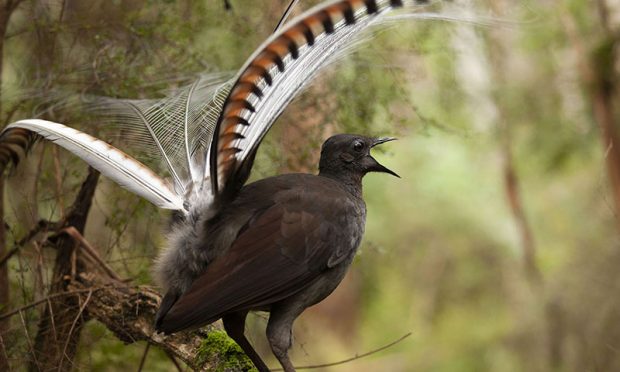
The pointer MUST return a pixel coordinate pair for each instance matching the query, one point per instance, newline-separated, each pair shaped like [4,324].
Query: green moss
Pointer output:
[218,346]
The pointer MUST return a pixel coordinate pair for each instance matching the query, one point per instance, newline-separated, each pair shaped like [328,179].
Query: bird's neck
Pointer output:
[352,182]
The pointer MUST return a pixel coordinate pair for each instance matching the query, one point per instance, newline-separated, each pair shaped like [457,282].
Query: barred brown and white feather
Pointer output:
[275,73]
[14,145]
[207,133]
[110,161]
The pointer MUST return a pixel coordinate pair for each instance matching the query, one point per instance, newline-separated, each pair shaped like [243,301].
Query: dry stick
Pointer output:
[77,317]
[92,252]
[34,355]
[49,304]
[6,356]
[515,202]
[357,356]
[74,260]
[38,272]
[52,296]
[58,177]
[34,207]
[603,115]
[8,255]
[174,361]
[146,351]
[41,225]
[288,10]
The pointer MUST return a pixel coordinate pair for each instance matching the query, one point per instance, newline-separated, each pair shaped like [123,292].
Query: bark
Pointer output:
[4,276]
[96,292]
[499,55]
[598,74]
[492,112]
[6,10]
[128,311]
[511,184]
[62,320]
[84,287]
[603,107]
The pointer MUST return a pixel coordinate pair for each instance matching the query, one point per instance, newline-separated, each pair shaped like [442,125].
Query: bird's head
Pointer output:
[350,154]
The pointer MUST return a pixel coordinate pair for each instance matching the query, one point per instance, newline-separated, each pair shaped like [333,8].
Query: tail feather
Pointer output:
[110,161]
[170,298]
[275,74]
[14,145]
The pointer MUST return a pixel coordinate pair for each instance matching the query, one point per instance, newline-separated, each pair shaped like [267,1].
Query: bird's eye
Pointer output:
[358,145]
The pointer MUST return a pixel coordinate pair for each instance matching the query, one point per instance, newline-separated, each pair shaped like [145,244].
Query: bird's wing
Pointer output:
[273,76]
[282,250]
[111,162]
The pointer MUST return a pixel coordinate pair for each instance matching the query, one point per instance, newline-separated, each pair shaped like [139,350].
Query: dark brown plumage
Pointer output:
[283,244]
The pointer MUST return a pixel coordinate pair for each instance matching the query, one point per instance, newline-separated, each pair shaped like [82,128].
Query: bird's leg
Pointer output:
[280,333]
[234,324]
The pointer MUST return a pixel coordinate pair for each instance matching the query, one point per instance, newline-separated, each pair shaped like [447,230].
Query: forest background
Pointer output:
[498,249]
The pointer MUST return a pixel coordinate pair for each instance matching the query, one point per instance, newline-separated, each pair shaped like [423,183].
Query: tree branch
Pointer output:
[63,320]
[41,226]
[356,357]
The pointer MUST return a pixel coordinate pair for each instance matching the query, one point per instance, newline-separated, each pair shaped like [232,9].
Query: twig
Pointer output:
[4,353]
[357,356]
[8,255]
[146,351]
[34,355]
[58,177]
[515,202]
[174,361]
[34,207]
[49,304]
[77,317]
[42,225]
[10,6]
[287,12]
[52,296]
[92,252]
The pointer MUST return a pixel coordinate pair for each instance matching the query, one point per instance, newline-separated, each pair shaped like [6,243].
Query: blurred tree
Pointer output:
[498,122]
[7,8]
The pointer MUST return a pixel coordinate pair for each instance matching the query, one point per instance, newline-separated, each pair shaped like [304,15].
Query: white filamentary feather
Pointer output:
[179,130]
[183,130]
[175,130]
[111,162]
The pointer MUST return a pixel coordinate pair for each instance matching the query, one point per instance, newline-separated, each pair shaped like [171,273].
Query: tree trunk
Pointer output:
[6,10]
[62,320]
[603,92]
[598,70]
[4,276]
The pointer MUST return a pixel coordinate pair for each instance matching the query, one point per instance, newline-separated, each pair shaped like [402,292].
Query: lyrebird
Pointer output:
[280,244]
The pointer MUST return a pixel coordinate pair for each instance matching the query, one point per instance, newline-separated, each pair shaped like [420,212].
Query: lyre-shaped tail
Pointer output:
[207,134]
[273,76]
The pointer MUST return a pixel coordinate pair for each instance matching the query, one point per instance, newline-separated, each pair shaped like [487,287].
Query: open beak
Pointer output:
[378,141]
[374,165]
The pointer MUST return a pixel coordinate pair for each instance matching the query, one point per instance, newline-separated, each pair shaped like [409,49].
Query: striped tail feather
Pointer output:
[274,74]
[14,145]
[16,139]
